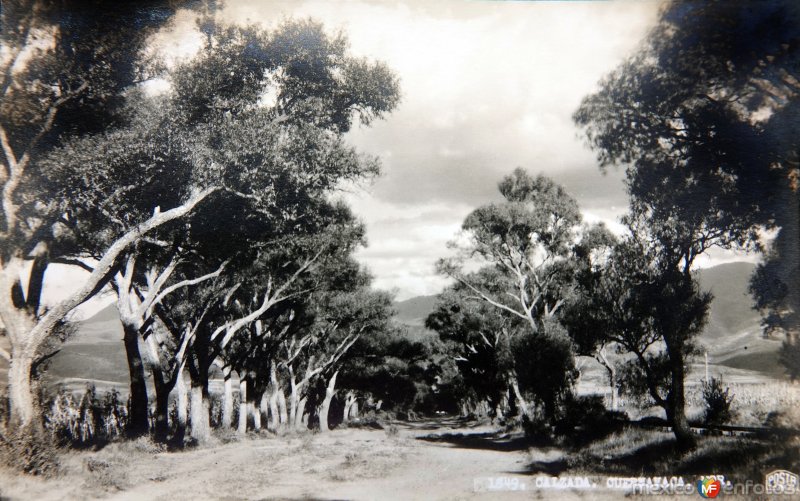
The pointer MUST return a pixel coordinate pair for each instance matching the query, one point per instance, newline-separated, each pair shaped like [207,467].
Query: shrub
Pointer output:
[586,418]
[537,430]
[85,420]
[717,402]
[32,453]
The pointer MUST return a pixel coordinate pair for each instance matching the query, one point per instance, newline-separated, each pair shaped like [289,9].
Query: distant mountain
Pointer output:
[414,311]
[732,307]
[95,351]
[732,336]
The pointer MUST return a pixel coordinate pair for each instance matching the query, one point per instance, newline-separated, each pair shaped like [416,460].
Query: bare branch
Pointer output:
[183,283]
[490,300]
[231,328]
[42,329]
[73,262]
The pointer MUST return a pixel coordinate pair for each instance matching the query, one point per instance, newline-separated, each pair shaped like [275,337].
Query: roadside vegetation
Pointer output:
[214,213]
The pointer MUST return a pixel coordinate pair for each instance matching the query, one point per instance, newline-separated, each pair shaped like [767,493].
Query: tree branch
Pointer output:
[490,300]
[72,262]
[183,283]
[42,329]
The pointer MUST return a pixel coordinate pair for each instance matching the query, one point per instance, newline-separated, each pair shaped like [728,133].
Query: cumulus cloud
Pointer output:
[486,87]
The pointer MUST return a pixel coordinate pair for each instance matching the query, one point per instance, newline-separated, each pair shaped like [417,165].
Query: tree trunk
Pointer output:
[326,403]
[676,400]
[162,411]
[292,403]
[183,404]
[272,391]
[612,376]
[350,399]
[18,323]
[227,400]
[201,425]
[677,412]
[255,410]
[274,418]
[242,428]
[22,399]
[298,416]
[522,405]
[283,412]
[138,423]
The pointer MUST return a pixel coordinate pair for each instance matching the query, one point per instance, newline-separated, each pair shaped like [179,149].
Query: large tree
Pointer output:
[526,245]
[63,71]
[704,115]
[212,136]
[650,313]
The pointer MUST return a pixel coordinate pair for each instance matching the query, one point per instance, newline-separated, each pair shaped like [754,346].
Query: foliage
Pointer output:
[545,367]
[702,114]
[526,241]
[479,340]
[585,419]
[718,399]
[506,315]
[389,367]
[87,420]
[34,454]
[789,357]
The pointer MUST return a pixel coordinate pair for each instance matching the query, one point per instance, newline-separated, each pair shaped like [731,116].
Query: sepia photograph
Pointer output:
[399,249]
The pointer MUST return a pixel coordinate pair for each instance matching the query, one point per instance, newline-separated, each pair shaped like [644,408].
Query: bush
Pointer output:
[85,420]
[537,430]
[31,453]
[717,402]
[586,418]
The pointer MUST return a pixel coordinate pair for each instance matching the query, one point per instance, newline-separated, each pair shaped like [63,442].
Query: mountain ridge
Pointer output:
[732,336]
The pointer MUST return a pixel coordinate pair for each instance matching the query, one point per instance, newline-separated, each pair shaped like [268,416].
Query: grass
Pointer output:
[647,452]
[767,404]
[638,452]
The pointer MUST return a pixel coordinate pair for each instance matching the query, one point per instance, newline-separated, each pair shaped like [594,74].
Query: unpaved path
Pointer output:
[361,464]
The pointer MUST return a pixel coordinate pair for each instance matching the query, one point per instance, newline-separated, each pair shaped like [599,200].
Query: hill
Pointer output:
[95,352]
[414,311]
[732,307]
[732,336]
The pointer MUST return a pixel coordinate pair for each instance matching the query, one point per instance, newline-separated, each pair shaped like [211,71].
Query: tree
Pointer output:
[484,339]
[649,311]
[348,316]
[527,238]
[703,114]
[586,311]
[527,242]
[211,137]
[63,77]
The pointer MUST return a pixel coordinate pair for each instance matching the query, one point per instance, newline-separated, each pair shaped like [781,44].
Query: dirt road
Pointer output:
[427,460]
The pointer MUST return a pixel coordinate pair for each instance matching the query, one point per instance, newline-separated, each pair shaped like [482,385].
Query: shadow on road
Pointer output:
[492,441]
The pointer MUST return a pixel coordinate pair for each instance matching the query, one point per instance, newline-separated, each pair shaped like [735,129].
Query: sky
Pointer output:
[487,86]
